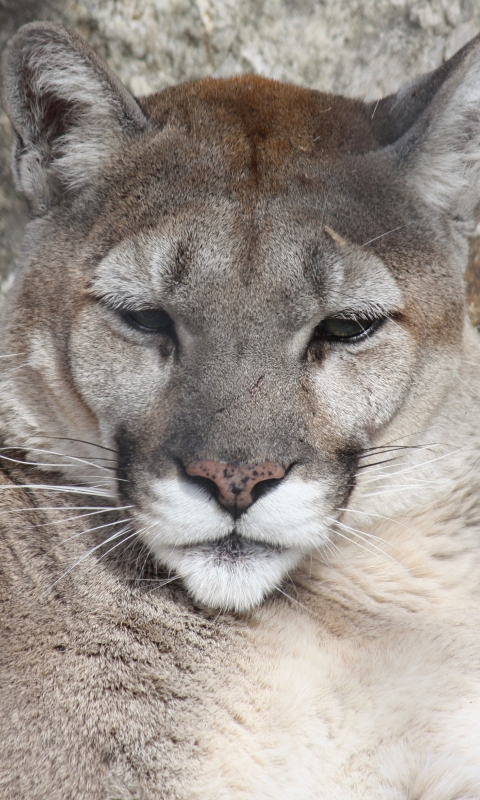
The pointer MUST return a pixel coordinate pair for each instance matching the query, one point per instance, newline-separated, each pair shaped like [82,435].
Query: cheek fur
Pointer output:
[117,380]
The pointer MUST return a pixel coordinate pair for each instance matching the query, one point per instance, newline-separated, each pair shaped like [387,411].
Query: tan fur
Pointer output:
[322,644]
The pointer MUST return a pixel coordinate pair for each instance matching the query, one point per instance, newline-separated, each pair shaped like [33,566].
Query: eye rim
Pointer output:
[165,327]
[371,326]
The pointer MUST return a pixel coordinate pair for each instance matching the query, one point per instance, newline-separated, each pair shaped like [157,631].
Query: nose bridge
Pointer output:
[231,375]
[236,410]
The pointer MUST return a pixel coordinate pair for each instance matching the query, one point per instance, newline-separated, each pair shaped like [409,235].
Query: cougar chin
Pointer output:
[231,574]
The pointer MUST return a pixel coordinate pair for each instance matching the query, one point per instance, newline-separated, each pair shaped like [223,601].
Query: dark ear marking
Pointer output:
[68,111]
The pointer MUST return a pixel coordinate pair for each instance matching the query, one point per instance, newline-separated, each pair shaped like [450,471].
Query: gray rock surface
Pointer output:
[364,48]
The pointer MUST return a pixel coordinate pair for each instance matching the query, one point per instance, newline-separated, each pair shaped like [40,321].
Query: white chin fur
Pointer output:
[237,584]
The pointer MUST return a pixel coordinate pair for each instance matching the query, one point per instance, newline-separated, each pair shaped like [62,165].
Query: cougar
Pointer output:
[240,438]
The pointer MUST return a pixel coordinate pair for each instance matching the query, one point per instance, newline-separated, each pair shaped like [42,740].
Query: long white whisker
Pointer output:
[90,552]
[403,471]
[393,230]
[101,509]
[161,583]
[292,599]
[70,519]
[138,532]
[408,487]
[468,387]
[91,490]
[378,516]
[49,464]
[362,546]
[87,554]
[365,537]
[90,530]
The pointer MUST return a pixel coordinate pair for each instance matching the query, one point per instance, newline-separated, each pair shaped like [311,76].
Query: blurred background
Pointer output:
[362,48]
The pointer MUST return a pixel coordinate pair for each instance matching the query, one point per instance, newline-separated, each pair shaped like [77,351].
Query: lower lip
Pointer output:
[235,547]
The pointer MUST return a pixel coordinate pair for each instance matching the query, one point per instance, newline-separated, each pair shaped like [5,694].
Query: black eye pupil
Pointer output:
[154,319]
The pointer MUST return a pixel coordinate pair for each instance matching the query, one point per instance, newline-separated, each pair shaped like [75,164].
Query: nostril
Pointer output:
[236,486]
[262,488]
[205,483]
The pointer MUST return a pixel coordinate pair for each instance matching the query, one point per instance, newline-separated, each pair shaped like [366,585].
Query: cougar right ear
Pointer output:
[430,130]
[68,110]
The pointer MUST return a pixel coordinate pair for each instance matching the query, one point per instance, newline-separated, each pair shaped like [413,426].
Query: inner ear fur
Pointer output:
[431,129]
[68,110]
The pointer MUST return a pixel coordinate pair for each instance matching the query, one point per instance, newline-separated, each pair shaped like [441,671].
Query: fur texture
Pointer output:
[239,272]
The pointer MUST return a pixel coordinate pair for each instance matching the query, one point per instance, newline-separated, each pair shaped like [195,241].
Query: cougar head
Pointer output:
[237,285]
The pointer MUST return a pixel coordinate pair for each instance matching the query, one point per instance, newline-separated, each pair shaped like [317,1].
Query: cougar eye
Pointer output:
[346,329]
[152,319]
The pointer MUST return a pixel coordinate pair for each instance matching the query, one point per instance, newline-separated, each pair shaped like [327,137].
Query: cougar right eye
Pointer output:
[344,329]
[150,319]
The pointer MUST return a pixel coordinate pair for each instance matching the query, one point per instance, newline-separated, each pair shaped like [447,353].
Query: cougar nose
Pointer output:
[235,481]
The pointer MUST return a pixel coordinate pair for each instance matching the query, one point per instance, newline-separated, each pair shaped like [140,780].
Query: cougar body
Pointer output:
[240,439]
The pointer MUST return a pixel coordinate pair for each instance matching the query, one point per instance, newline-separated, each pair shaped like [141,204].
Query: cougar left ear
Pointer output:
[431,129]
[68,110]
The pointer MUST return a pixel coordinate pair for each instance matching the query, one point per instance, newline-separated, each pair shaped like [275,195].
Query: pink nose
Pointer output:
[235,481]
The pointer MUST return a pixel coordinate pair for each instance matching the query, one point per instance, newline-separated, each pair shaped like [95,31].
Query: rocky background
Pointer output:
[364,48]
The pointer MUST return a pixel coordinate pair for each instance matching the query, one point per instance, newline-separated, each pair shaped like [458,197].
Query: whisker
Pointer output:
[77,534]
[417,466]
[384,449]
[162,582]
[387,233]
[470,389]
[52,453]
[86,555]
[378,463]
[409,487]
[363,546]
[406,436]
[328,549]
[73,518]
[9,369]
[132,536]
[91,490]
[379,516]
[91,551]
[292,599]
[83,441]
[365,537]
[101,509]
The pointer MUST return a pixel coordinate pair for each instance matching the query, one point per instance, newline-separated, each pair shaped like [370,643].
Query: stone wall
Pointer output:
[364,48]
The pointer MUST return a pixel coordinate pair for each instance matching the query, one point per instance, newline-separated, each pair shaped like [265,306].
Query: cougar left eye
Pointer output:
[152,319]
[346,329]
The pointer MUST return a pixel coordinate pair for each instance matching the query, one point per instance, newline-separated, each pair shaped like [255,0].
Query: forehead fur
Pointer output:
[261,123]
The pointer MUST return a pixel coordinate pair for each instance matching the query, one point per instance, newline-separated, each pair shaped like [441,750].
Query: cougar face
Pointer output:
[238,286]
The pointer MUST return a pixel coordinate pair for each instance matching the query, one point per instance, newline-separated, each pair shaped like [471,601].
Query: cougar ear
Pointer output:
[432,130]
[68,110]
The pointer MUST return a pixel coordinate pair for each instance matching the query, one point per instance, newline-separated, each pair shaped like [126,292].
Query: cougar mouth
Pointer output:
[234,547]
[226,563]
